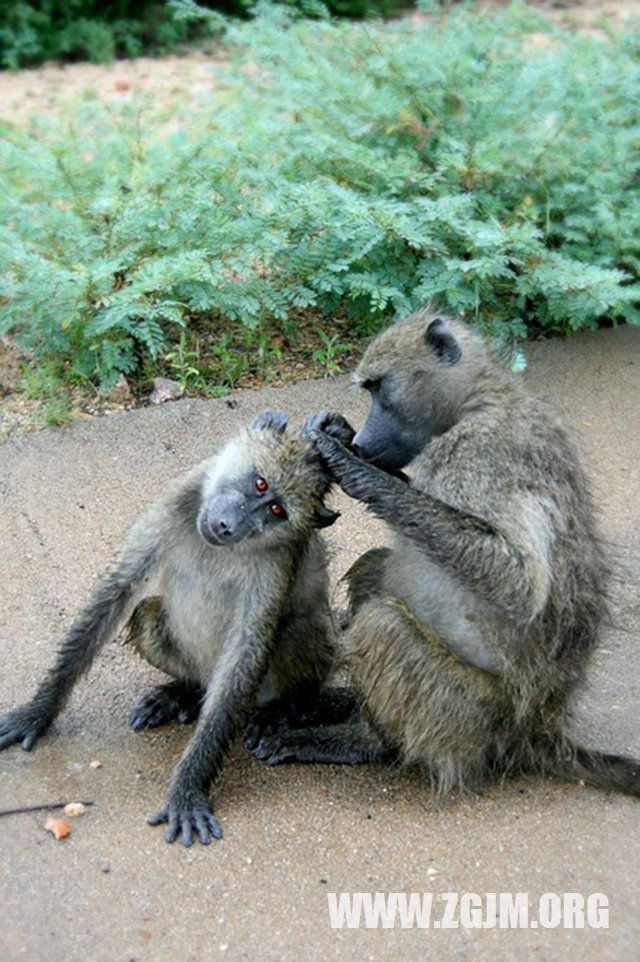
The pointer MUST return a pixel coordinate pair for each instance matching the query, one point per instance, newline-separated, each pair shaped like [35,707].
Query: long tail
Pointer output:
[618,773]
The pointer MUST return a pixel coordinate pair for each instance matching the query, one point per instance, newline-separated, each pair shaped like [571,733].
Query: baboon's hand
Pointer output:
[186,812]
[335,425]
[24,724]
[356,477]
[332,435]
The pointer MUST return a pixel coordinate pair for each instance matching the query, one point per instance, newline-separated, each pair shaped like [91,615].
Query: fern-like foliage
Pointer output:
[488,162]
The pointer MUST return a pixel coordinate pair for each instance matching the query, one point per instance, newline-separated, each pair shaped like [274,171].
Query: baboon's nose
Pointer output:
[221,528]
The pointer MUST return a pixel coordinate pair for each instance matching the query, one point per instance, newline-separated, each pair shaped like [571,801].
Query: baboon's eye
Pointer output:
[261,484]
[277,509]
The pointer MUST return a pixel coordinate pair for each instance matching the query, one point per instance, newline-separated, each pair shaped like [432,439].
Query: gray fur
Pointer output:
[221,594]
[469,636]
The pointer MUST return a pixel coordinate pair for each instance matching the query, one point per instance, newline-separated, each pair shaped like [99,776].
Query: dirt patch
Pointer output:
[312,348]
[54,86]
[590,13]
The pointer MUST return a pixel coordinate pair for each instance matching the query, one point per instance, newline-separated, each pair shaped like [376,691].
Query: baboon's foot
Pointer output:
[175,701]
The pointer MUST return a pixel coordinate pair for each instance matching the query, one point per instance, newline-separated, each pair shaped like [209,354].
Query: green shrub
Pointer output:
[306,8]
[35,30]
[489,163]
[31,32]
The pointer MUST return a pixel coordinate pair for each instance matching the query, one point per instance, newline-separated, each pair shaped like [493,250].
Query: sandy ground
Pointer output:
[52,86]
[114,890]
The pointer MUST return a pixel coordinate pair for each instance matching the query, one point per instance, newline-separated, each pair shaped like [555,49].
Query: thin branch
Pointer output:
[37,808]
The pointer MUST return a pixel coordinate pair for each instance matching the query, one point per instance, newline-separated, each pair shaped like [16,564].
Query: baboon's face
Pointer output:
[407,372]
[241,509]
[387,439]
[263,484]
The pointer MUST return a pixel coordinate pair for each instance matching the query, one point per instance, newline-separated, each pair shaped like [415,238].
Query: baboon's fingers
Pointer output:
[186,817]
[254,732]
[171,832]
[202,829]
[9,739]
[158,817]
[187,715]
[185,833]
[9,733]
[333,452]
[152,710]
[206,825]
[335,425]
[275,421]
[351,472]
[21,726]
[272,747]
[328,422]
[214,826]
[29,741]
[314,423]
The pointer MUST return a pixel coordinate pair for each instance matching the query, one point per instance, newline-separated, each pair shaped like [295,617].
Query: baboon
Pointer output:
[225,581]
[469,635]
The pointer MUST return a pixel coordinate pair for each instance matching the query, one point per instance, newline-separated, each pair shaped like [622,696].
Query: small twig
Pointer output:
[36,808]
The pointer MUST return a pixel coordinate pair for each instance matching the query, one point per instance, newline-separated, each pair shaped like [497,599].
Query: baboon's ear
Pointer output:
[325,517]
[442,341]
[275,421]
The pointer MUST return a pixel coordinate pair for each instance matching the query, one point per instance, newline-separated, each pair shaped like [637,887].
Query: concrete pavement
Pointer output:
[114,890]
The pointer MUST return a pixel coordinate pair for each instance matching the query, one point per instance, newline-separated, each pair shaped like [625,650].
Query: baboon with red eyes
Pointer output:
[224,581]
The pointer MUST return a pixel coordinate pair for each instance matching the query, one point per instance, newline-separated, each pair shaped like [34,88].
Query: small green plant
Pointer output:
[56,412]
[262,351]
[181,362]
[45,383]
[230,364]
[328,353]
[42,381]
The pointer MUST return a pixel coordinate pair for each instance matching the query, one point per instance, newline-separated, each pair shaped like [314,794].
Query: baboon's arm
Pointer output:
[513,578]
[93,626]
[230,699]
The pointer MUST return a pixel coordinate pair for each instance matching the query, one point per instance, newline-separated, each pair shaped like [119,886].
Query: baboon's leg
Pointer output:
[149,634]
[424,705]
[442,712]
[329,706]
[301,710]
[364,577]
[348,743]
[303,658]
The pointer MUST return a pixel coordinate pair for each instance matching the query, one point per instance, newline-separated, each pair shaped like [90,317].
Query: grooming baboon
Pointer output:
[226,579]
[469,635]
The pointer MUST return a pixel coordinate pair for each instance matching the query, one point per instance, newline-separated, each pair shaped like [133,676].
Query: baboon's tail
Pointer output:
[617,773]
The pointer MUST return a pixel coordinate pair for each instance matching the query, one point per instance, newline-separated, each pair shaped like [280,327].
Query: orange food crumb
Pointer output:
[58,827]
